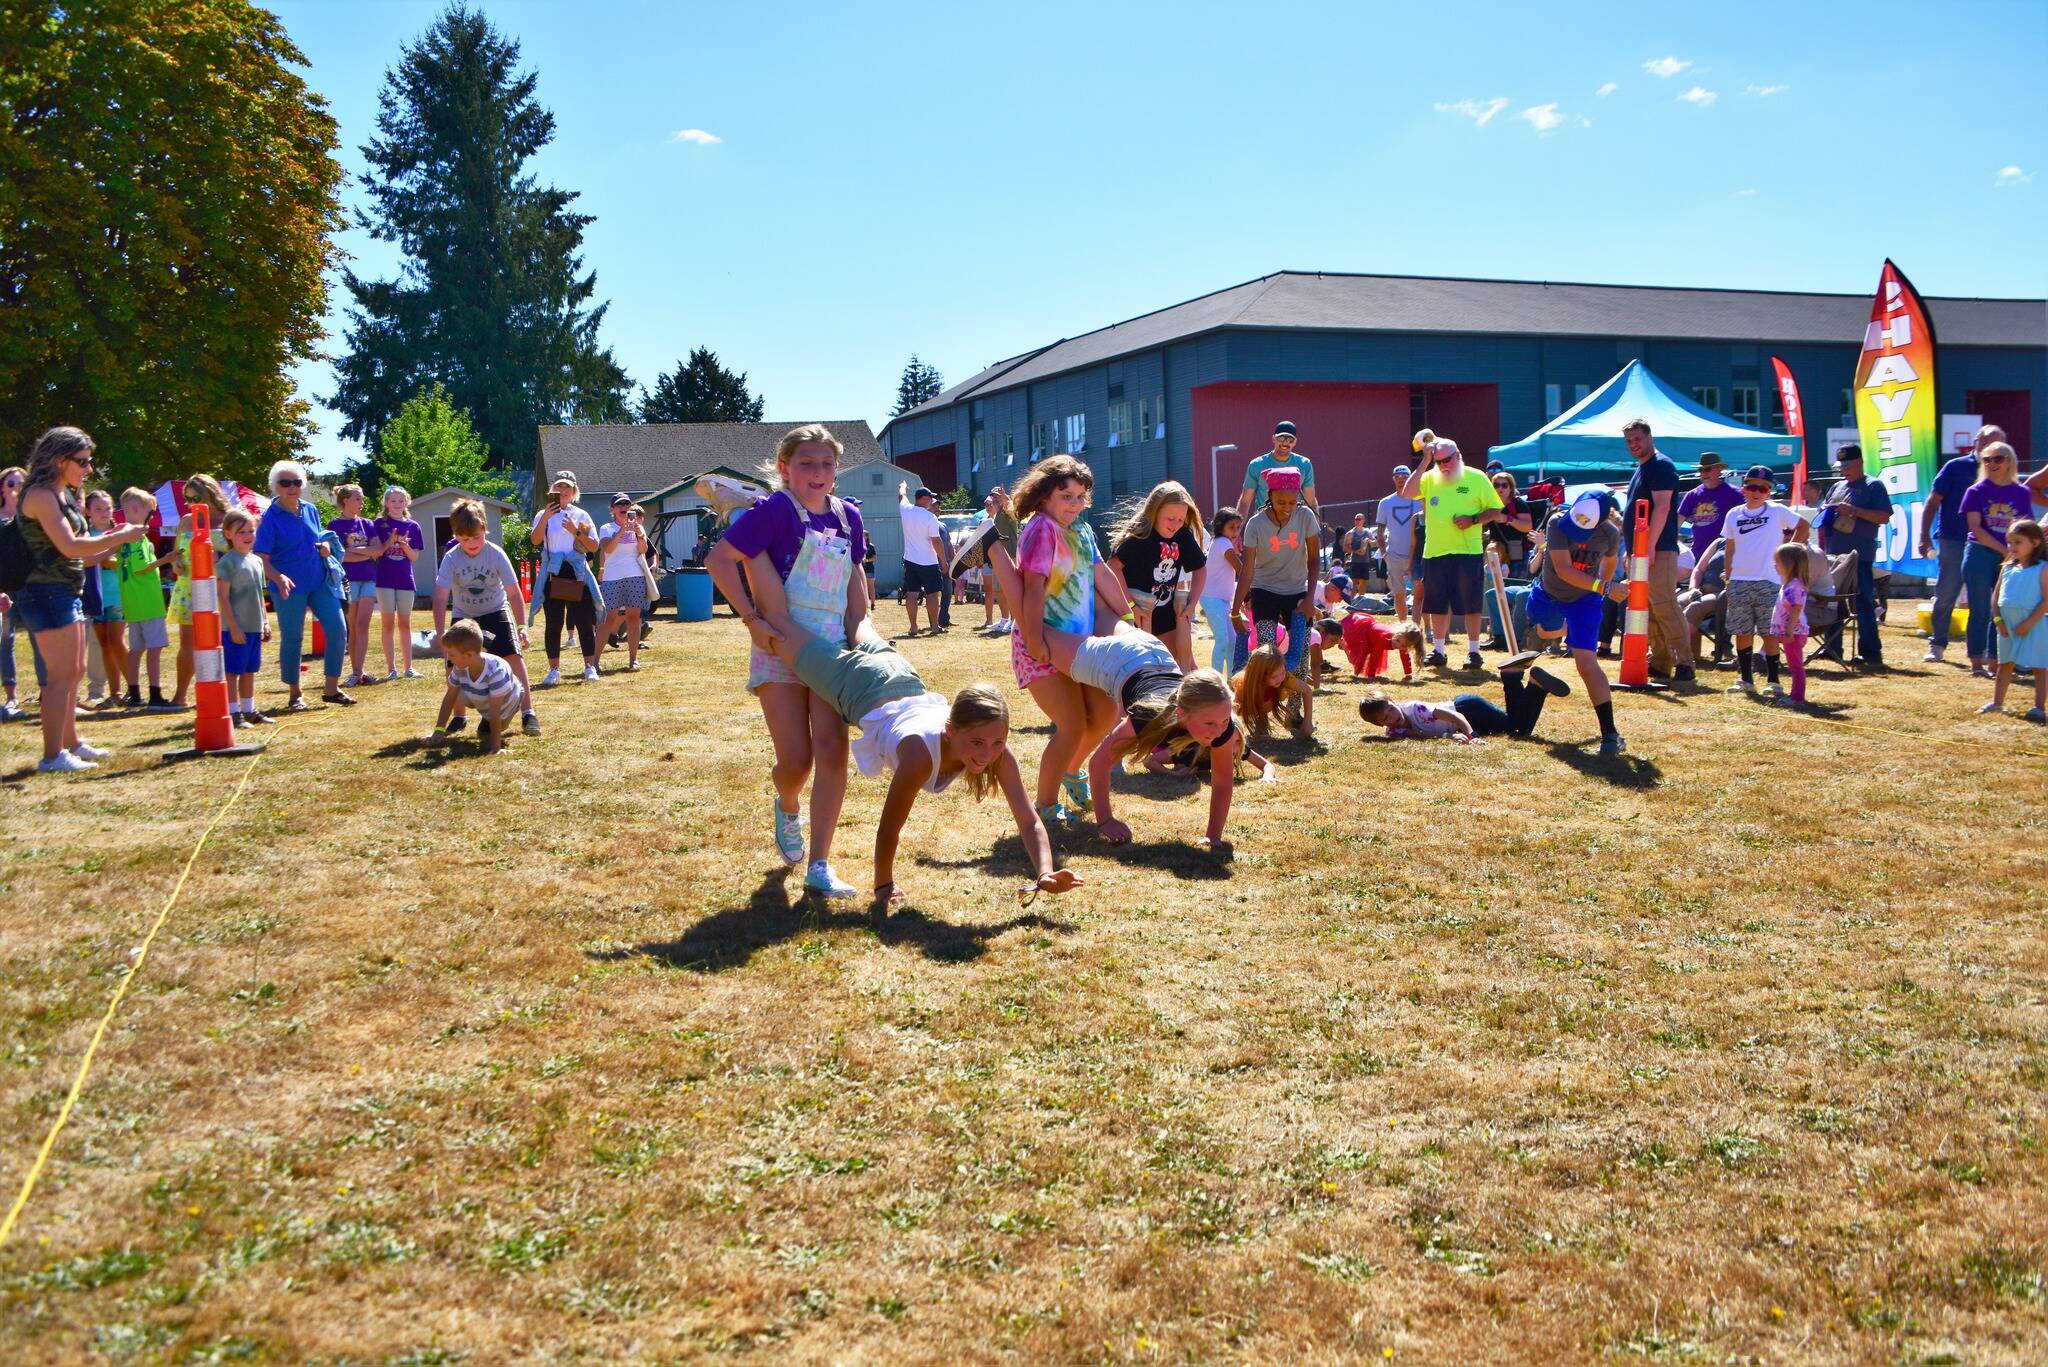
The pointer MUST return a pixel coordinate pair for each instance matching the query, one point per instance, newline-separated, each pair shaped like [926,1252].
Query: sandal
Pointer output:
[338,698]
[298,704]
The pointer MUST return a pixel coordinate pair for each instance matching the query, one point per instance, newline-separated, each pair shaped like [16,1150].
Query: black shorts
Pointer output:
[1268,606]
[1453,584]
[1159,619]
[922,578]
[501,637]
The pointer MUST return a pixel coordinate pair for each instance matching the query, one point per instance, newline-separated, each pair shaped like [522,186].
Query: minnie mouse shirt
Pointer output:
[1153,565]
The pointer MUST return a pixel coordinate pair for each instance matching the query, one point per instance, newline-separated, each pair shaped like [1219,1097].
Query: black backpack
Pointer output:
[16,557]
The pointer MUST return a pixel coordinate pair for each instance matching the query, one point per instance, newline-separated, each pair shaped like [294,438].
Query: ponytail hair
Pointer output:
[1156,719]
[978,704]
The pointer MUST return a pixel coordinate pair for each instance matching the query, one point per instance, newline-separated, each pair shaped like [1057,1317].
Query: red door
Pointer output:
[2012,409]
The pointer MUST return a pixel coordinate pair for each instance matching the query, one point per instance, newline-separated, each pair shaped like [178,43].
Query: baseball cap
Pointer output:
[621,497]
[1340,579]
[1494,467]
[1584,514]
[1848,453]
[922,492]
[1283,429]
[1760,474]
[1402,471]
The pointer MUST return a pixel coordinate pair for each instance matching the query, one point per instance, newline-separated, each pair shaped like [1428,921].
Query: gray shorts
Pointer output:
[148,635]
[396,600]
[1399,571]
[1749,606]
[856,681]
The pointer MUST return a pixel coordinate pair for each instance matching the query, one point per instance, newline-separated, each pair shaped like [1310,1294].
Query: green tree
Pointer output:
[431,445]
[167,191]
[920,382]
[492,299]
[700,390]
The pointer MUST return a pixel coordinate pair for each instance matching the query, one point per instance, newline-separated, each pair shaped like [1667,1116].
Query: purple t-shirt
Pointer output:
[394,571]
[772,526]
[1999,505]
[354,531]
[1704,510]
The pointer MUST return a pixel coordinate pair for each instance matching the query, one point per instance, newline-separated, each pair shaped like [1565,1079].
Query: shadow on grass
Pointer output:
[427,757]
[1623,771]
[729,939]
[1007,855]
[1285,751]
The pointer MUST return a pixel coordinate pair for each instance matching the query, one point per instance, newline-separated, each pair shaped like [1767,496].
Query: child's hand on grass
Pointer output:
[1113,832]
[1058,881]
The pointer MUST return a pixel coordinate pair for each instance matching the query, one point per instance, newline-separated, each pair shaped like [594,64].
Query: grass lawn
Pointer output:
[1734,1051]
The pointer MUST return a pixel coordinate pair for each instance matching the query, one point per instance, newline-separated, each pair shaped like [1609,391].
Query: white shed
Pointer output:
[431,512]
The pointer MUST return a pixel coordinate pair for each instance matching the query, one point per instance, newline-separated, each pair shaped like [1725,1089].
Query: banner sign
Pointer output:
[1795,425]
[1897,416]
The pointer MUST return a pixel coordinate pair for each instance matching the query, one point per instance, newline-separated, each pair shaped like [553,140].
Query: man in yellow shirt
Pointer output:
[1457,503]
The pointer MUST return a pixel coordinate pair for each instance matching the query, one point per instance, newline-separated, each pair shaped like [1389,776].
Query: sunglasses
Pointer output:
[290,483]
[1756,488]
[1996,460]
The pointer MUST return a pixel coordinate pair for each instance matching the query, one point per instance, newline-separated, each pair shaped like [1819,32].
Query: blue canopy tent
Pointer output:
[1585,443]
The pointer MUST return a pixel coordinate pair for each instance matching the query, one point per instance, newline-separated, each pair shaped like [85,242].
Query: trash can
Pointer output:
[693,594]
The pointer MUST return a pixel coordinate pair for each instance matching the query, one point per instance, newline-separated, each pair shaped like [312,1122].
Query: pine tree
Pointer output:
[701,390]
[492,299]
[920,382]
[168,188]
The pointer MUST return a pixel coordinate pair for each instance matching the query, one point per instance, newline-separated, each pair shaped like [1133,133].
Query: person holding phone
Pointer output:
[622,543]
[569,592]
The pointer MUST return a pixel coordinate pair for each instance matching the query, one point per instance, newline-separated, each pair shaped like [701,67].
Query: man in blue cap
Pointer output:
[1581,544]
[1398,523]
[1281,457]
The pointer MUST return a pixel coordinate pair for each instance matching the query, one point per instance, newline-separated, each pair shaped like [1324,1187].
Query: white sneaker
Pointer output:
[86,750]
[590,673]
[65,763]
[554,676]
[819,878]
[10,710]
[1934,654]
[1777,690]
[726,495]
[391,676]
[412,674]
[1742,686]
[632,666]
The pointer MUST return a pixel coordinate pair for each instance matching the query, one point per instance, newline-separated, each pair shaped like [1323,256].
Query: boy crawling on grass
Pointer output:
[482,681]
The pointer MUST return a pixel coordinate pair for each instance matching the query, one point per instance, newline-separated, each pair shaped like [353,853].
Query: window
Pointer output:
[1418,407]
[1152,418]
[1848,409]
[1707,396]
[875,480]
[1045,439]
[978,447]
[1580,391]
[1008,447]
[1748,404]
[1553,400]
[1121,430]
[1075,428]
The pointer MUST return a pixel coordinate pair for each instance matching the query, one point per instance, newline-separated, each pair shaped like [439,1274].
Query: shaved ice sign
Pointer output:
[1897,417]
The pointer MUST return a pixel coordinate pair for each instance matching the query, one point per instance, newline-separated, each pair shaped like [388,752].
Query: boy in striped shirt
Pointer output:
[479,680]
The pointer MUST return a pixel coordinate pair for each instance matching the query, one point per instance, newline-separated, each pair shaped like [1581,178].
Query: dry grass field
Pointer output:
[1736,1051]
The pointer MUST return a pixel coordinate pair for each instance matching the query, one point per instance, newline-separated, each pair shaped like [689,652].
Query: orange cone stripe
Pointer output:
[212,729]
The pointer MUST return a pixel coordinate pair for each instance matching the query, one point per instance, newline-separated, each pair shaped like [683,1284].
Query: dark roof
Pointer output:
[642,457]
[1314,301]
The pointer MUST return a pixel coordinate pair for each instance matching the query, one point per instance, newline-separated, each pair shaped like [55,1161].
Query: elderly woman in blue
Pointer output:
[295,549]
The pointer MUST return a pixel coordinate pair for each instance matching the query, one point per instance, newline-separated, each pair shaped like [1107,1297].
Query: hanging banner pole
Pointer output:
[1795,425]
[1897,418]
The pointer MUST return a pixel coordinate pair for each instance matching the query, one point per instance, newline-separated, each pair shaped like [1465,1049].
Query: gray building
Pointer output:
[1359,362]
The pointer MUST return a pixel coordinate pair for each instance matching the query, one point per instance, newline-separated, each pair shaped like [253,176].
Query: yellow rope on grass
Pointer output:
[35,1171]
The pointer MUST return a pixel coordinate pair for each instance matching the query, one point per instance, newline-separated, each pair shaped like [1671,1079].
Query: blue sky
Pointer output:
[967,181]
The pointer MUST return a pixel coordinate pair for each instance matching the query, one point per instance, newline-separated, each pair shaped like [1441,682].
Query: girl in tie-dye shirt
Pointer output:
[1061,569]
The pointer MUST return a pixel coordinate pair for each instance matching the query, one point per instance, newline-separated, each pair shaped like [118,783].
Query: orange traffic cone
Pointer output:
[213,730]
[1635,622]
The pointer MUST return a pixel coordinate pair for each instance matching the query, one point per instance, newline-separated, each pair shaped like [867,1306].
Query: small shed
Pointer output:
[682,518]
[431,512]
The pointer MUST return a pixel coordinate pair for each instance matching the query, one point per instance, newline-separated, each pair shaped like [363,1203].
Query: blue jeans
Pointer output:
[1946,587]
[291,625]
[7,667]
[1518,608]
[555,560]
[1868,647]
[1227,655]
[1980,581]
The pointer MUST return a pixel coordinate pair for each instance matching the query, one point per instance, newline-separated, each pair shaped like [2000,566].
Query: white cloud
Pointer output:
[1604,91]
[1754,89]
[2012,175]
[1699,95]
[1665,67]
[1479,111]
[696,135]
[1745,194]
[1542,117]
[1585,122]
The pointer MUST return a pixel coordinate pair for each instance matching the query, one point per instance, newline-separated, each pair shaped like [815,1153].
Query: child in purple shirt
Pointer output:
[400,541]
[1788,615]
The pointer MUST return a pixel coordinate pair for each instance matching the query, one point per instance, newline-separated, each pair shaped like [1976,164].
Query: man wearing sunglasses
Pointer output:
[1457,504]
